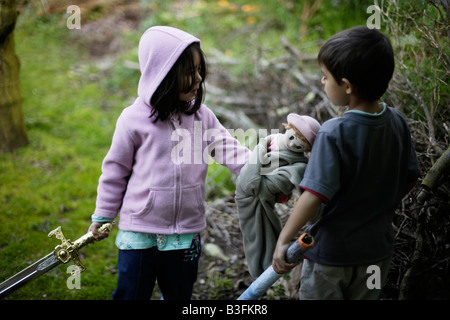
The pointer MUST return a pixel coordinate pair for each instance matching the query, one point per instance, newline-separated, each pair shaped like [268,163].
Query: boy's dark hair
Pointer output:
[165,101]
[363,56]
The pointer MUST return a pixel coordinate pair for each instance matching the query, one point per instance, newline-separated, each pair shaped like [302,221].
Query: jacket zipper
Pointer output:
[176,205]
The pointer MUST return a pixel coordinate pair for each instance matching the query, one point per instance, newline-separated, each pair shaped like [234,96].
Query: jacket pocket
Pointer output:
[192,207]
[158,210]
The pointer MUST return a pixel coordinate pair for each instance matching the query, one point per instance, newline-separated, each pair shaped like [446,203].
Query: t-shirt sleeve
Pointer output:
[322,175]
[413,164]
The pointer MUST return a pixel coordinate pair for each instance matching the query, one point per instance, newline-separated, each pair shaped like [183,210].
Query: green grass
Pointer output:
[70,113]
[53,180]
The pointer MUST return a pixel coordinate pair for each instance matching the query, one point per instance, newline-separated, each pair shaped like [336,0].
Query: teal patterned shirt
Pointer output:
[129,240]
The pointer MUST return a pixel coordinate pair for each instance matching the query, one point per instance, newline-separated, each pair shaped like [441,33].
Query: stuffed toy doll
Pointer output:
[299,136]
[275,167]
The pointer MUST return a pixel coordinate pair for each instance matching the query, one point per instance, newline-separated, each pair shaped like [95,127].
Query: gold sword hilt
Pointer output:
[67,250]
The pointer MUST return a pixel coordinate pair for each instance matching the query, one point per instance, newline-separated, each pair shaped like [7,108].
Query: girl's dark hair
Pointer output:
[180,79]
[363,56]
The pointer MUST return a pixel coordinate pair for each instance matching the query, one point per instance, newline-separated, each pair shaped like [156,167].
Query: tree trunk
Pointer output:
[12,126]
[438,172]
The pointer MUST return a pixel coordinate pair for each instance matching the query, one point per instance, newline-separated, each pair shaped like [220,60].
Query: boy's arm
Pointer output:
[306,206]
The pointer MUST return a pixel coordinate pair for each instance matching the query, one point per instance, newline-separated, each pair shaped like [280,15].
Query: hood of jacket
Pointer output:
[159,49]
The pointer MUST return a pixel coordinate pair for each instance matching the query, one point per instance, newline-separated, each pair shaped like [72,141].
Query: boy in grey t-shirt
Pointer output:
[361,166]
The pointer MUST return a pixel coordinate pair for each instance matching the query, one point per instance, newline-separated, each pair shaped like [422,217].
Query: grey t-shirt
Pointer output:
[360,166]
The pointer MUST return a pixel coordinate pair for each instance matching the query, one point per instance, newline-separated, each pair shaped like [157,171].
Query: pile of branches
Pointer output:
[421,261]
[270,91]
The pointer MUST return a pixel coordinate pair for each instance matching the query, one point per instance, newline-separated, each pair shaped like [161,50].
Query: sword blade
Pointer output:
[28,274]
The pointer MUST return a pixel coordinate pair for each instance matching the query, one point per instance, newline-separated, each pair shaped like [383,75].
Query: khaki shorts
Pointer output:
[323,282]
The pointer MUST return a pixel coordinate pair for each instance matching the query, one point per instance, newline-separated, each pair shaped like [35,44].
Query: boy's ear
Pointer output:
[349,87]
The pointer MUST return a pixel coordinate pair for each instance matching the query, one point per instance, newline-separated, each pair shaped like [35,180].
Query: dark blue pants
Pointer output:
[175,271]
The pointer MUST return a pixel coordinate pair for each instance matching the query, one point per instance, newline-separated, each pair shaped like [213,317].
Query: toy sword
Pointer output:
[293,254]
[63,253]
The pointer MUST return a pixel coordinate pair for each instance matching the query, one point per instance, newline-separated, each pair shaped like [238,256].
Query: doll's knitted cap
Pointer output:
[307,125]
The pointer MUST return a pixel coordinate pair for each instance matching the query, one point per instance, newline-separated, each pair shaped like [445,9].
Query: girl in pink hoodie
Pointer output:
[154,173]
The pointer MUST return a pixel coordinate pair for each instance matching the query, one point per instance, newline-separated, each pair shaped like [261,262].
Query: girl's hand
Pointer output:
[94,227]
[282,198]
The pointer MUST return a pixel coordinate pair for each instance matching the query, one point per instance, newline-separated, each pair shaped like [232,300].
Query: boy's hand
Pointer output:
[94,227]
[279,263]
[306,206]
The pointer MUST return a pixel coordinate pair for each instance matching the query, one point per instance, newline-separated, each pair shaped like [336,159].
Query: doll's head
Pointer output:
[300,133]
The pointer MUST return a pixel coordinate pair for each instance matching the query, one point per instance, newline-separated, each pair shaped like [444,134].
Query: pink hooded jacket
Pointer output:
[154,172]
